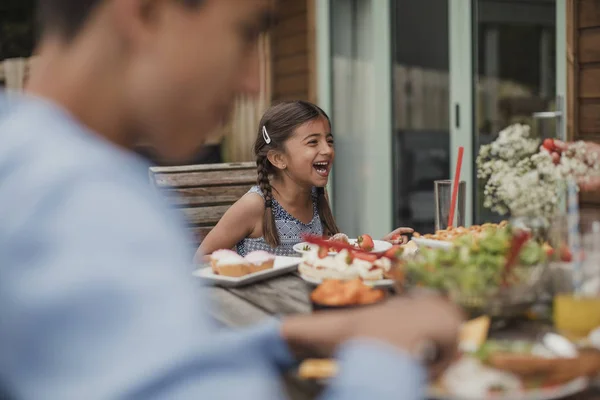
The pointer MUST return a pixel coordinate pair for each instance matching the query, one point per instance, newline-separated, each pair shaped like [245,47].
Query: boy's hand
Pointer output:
[399,236]
[590,184]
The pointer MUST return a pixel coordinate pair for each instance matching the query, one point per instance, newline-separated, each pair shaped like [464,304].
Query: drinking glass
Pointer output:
[443,198]
[576,277]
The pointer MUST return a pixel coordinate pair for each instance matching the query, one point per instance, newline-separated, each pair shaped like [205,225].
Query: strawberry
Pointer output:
[548,249]
[365,242]
[397,237]
[548,144]
[565,254]
[323,252]
[394,252]
[365,256]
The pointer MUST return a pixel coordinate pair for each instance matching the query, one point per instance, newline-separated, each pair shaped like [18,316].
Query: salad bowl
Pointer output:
[473,273]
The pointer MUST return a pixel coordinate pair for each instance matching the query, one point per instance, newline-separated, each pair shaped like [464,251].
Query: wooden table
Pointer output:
[288,294]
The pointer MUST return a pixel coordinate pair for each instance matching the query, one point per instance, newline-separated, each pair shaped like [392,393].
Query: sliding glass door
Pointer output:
[507,66]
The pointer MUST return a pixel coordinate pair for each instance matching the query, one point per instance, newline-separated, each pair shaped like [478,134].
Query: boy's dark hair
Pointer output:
[67,17]
[280,121]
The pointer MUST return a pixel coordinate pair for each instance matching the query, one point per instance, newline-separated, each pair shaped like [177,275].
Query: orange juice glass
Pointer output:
[576,316]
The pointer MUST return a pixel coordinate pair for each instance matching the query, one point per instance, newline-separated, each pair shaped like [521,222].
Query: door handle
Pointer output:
[558,115]
[547,114]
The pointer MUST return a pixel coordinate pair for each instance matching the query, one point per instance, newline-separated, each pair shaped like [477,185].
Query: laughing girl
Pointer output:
[294,155]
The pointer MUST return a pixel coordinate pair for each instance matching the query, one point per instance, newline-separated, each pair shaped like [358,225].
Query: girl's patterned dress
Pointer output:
[289,228]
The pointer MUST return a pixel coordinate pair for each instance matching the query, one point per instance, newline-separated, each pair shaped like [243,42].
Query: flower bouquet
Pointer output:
[523,179]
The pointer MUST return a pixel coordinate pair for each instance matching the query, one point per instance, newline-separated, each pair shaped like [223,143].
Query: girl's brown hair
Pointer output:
[280,122]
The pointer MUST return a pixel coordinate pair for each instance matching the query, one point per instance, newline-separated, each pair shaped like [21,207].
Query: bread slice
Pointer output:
[260,261]
[229,263]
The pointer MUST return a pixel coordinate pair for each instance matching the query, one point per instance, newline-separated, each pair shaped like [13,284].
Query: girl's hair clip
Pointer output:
[266,135]
[268,203]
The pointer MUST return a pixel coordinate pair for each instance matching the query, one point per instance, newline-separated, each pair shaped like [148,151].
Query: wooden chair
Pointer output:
[204,192]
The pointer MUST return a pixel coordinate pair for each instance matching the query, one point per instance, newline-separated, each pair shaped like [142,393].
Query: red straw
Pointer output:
[455,185]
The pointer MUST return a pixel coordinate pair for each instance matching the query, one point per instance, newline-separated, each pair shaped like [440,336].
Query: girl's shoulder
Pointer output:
[256,190]
[251,204]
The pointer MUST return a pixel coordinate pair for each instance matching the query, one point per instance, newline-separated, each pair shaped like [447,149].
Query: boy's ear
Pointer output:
[277,159]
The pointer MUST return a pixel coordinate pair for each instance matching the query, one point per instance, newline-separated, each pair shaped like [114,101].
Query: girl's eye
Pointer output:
[313,142]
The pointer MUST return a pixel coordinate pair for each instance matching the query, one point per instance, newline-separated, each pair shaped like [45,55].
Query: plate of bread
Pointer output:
[229,269]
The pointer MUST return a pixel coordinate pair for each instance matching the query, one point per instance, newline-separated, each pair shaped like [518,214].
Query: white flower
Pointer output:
[524,181]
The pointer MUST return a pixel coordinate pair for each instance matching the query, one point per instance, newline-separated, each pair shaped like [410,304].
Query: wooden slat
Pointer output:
[589,207]
[205,215]
[201,196]
[293,25]
[203,193]
[290,45]
[590,198]
[285,295]
[589,118]
[296,63]
[589,83]
[572,102]
[232,311]
[197,179]
[287,8]
[290,96]
[590,137]
[589,13]
[202,167]
[312,50]
[292,84]
[589,45]
[198,233]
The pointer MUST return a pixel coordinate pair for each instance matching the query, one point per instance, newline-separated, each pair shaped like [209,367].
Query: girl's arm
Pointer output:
[243,219]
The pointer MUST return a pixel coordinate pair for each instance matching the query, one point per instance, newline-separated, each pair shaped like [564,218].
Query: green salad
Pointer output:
[474,264]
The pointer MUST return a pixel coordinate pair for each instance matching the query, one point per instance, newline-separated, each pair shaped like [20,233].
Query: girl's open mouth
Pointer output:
[322,168]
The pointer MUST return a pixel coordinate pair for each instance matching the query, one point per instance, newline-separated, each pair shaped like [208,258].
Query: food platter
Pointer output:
[380,246]
[282,265]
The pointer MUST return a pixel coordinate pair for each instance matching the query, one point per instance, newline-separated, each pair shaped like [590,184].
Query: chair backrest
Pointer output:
[204,192]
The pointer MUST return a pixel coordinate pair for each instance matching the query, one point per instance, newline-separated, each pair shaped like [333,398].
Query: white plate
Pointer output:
[381,283]
[300,248]
[380,246]
[557,392]
[282,265]
[431,243]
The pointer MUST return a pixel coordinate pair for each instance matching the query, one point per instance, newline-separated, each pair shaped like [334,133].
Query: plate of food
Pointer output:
[229,269]
[335,294]
[444,238]
[363,242]
[374,270]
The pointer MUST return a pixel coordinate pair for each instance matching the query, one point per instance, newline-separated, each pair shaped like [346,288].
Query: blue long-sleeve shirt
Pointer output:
[97,300]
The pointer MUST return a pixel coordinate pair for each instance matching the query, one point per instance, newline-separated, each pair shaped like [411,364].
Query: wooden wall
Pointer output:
[293,41]
[583,37]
